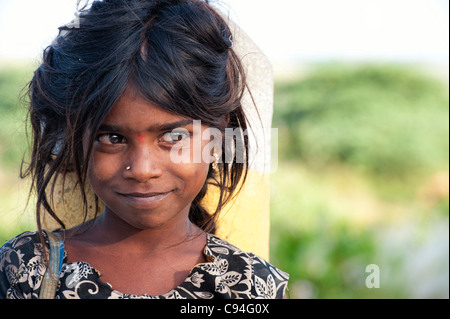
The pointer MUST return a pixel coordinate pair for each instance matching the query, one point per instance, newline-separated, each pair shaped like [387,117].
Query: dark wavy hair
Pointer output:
[177,53]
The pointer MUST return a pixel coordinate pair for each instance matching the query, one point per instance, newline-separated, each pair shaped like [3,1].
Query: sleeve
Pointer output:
[269,282]
[21,267]
[4,281]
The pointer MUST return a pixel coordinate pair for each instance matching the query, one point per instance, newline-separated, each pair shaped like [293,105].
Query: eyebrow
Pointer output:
[164,127]
[174,125]
[109,128]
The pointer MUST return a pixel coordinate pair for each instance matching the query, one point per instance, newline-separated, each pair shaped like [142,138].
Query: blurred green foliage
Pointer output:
[387,120]
[14,217]
[357,146]
[13,144]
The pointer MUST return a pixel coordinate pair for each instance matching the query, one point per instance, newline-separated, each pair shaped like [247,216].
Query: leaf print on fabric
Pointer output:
[221,287]
[20,241]
[220,250]
[257,261]
[204,294]
[231,278]
[219,241]
[74,294]
[80,271]
[38,250]
[36,266]
[12,273]
[217,268]
[4,257]
[279,274]
[222,266]
[210,269]
[247,280]
[35,271]
[223,283]
[196,279]
[70,294]
[175,295]
[265,290]
[14,294]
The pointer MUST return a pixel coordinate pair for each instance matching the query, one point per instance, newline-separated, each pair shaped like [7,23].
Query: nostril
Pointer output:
[142,171]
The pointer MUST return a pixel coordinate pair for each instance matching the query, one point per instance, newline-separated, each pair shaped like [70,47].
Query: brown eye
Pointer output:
[111,139]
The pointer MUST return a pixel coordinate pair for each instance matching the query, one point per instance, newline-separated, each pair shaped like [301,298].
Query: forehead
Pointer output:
[134,112]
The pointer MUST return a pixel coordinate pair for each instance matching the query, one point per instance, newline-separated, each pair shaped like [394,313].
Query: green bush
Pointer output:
[331,260]
[351,139]
[387,120]
[13,145]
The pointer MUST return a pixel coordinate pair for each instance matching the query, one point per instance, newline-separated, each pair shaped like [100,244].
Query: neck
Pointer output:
[110,230]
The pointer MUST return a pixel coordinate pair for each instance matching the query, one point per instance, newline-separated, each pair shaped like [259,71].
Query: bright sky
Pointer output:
[304,30]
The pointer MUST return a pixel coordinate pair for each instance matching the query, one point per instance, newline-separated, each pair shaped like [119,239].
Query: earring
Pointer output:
[128,168]
[216,161]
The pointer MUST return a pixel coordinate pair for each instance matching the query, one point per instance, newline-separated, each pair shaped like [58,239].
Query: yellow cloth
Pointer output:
[245,221]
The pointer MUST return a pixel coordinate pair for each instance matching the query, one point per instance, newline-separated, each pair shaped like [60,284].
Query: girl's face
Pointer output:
[131,168]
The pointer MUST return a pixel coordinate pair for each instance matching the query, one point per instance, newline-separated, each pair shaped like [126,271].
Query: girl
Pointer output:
[120,94]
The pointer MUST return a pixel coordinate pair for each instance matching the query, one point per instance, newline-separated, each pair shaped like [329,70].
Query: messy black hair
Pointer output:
[176,53]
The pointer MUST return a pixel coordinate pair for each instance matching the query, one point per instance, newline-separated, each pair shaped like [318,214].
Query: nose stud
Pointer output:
[128,168]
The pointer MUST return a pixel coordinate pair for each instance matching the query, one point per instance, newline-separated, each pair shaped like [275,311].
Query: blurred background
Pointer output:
[362,108]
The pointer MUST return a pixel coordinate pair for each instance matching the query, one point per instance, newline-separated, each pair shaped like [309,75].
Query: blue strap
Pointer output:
[61,254]
[51,278]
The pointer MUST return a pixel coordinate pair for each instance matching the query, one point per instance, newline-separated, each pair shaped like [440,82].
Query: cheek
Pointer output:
[194,177]
[101,170]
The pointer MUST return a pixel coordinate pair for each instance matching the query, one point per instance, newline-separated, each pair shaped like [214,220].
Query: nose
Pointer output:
[143,165]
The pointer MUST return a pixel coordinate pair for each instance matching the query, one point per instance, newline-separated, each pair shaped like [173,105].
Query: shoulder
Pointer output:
[21,266]
[263,279]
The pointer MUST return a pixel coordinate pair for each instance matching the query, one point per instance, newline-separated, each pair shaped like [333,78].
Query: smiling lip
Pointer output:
[145,200]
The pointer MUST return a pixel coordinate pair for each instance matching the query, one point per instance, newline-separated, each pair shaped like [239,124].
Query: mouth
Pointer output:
[145,200]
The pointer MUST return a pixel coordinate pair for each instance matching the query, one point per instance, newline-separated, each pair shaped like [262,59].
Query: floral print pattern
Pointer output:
[229,273]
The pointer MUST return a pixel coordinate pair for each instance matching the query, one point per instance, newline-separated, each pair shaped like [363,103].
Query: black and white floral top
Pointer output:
[229,273]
